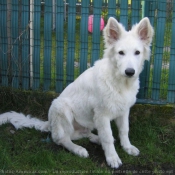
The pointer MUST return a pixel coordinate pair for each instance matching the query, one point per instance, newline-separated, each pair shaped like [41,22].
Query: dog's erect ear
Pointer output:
[145,30]
[112,31]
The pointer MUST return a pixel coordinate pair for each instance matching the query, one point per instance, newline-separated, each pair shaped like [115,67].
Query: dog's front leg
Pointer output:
[107,141]
[123,127]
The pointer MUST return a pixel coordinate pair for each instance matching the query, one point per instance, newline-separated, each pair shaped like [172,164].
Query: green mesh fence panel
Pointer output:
[45,45]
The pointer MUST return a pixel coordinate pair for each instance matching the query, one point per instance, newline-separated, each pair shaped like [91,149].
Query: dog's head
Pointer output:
[127,51]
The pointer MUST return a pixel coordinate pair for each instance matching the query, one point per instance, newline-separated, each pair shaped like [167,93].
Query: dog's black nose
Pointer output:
[129,72]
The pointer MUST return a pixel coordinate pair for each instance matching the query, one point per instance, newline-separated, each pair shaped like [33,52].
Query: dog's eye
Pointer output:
[121,52]
[137,52]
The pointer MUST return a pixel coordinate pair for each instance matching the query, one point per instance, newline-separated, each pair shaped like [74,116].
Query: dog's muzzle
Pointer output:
[129,72]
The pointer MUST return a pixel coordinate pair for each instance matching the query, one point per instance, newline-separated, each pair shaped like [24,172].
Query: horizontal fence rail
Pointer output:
[45,45]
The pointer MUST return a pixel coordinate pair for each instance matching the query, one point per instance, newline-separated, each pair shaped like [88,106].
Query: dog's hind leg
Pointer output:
[61,127]
[62,136]
[76,149]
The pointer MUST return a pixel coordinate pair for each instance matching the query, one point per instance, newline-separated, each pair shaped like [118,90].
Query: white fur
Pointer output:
[19,121]
[101,94]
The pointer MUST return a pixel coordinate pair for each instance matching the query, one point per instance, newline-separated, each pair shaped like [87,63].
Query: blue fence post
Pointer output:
[135,14]
[143,76]
[36,49]
[160,31]
[15,43]
[84,35]
[124,13]
[59,45]
[96,31]
[171,80]
[151,12]
[111,8]
[151,15]
[47,43]
[71,41]
[4,43]
[25,44]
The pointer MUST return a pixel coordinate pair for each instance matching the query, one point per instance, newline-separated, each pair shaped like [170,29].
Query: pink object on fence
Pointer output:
[90,23]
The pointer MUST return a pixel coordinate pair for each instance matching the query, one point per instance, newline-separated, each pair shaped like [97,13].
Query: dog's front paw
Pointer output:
[114,161]
[132,150]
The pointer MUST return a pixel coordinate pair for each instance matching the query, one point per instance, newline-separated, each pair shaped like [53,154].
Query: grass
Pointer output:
[25,151]
[152,130]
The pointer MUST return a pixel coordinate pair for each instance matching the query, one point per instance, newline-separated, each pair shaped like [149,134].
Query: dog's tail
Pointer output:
[19,120]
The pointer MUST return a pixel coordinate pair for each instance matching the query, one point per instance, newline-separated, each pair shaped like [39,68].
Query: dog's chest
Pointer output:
[118,101]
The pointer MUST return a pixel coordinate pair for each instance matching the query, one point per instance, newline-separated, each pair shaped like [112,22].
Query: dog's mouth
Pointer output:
[129,76]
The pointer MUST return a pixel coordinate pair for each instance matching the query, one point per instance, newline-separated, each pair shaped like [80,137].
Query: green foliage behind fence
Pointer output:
[45,45]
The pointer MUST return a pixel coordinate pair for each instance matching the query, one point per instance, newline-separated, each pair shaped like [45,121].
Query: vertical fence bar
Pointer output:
[9,40]
[84,35]
[4,43]
[36,48]
[96,31]
[143,76]
[171,80]
[160,31]
[151,15]
[25,44]
[124,13]
[59,44]
[47,43]
[135,14]
[53,14]
[111,8]
[151,12]
[15,43]
[71,41]
[31,41]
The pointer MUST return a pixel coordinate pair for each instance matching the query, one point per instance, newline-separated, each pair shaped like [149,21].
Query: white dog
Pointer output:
[103,93]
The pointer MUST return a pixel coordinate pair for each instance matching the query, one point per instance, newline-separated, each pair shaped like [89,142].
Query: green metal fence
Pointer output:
[45,45]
